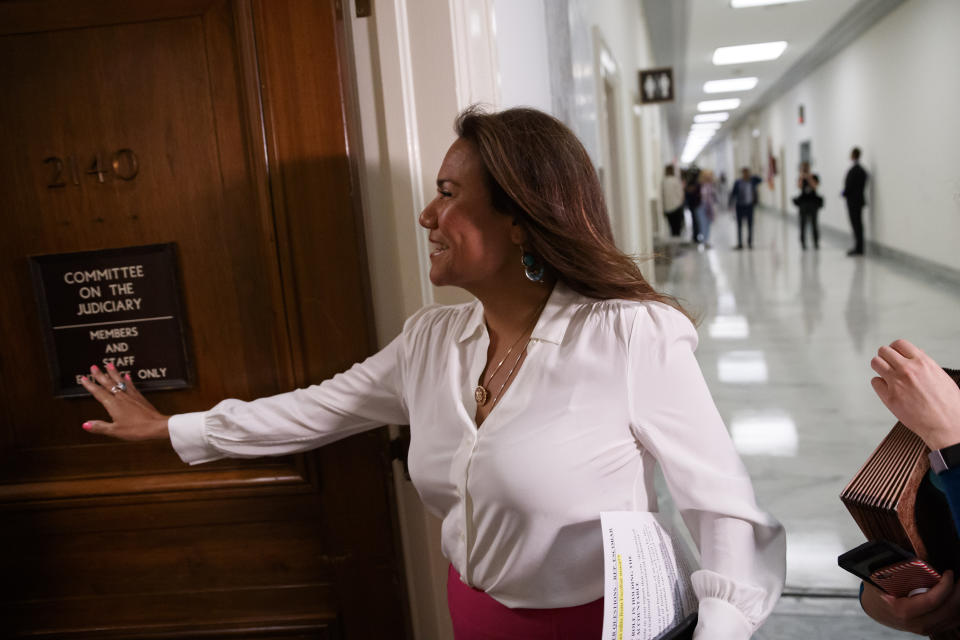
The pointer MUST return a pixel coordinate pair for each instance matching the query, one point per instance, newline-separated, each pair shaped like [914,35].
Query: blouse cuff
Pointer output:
[187,438]
[744,599]
[721,620]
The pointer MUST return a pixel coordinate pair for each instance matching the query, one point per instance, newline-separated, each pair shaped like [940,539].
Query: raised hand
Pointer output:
[920,393]
[134,418]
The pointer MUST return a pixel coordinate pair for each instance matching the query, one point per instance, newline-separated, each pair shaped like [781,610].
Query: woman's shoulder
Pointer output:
[659,316]
[650,318]
[439,321]
[659,329]
[629,306]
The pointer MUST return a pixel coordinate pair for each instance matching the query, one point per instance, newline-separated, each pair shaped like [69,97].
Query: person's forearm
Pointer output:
[159,429]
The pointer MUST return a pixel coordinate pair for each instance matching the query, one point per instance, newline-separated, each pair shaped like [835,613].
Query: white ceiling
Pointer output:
[685,33]
[713,23]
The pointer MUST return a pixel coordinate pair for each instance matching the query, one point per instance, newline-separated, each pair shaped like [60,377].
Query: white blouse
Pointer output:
[608,388]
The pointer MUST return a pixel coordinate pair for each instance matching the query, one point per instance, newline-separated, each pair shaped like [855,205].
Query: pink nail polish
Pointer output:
[94,368]
[87,426]
[127,376]
[84,378]
[110,366]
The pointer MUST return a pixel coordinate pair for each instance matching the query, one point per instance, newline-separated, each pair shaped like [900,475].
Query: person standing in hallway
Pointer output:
[853,188]
[927,401]
[691,192]
[546,400]
[673,201]
[706,211]
[809,203]
[744,197]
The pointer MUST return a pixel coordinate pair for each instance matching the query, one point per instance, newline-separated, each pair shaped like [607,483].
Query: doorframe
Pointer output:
[395,157]
[651,223]
[610,129]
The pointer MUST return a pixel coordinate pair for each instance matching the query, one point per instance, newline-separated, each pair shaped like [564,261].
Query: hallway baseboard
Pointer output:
[907,261]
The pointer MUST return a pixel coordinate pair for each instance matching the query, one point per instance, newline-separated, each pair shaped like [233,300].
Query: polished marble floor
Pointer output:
[786,338]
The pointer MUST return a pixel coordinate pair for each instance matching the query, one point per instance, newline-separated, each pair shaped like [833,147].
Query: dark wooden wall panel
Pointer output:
[104,539]
[169,90]
[302,79]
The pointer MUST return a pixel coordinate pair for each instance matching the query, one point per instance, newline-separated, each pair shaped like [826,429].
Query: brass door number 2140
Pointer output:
[123,165]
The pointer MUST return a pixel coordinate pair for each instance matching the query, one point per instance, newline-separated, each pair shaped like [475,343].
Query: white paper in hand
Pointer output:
[647,586]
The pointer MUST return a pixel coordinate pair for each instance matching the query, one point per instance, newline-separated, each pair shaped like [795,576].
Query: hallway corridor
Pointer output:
[786,338]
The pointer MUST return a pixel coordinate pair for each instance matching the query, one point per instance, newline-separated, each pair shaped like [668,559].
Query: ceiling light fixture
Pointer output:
[749,53]
[718,105]
[705,126]
[691,151]
[711,117]
[743,4]
[694,144]
[733,84]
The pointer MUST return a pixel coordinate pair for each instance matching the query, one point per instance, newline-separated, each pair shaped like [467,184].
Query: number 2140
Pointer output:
[123,165]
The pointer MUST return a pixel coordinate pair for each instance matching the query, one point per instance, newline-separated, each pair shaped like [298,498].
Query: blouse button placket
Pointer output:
[466,529]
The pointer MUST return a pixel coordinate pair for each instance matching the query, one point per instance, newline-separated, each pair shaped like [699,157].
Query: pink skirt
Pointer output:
[477,616]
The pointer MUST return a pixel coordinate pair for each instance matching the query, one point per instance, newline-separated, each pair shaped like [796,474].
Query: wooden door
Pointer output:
[235,113]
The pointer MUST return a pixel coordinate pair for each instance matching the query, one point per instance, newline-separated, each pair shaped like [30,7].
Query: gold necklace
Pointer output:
[509,374]
[481,394]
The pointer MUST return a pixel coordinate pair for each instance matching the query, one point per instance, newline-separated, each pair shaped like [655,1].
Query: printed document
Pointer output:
[647,586]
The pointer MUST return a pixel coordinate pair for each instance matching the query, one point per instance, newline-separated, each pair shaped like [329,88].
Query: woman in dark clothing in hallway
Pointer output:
[809,203]
[691,190]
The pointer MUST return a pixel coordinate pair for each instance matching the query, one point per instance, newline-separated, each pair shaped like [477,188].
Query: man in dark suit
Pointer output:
[744,196]
[853,188]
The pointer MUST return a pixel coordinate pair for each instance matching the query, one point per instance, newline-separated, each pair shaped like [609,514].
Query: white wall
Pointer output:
[621,25]
[569,85]
[521,37]
[894,93]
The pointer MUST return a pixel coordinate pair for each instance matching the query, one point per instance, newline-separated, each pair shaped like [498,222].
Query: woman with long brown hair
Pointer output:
[532,409]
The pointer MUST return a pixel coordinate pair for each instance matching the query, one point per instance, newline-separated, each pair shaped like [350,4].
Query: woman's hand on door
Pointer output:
[134,418]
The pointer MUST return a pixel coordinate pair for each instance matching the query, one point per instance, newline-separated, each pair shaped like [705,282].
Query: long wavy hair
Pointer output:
[538,171]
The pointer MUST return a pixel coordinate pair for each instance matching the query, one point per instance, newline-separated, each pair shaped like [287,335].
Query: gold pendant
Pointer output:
[481,395]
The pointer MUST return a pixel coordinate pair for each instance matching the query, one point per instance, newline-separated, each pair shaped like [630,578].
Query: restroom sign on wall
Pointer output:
[656,85]
[117,306]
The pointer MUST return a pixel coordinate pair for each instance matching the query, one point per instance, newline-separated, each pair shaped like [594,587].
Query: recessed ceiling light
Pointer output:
[695,144]
[705,126]
[691,150]
[718,105]
[711,117]
[733,84]
[742,4]
[749,52]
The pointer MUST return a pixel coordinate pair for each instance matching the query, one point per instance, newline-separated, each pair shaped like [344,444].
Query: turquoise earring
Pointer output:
[531,267]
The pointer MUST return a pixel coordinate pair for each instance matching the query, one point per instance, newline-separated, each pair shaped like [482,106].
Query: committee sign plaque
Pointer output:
[119,306]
